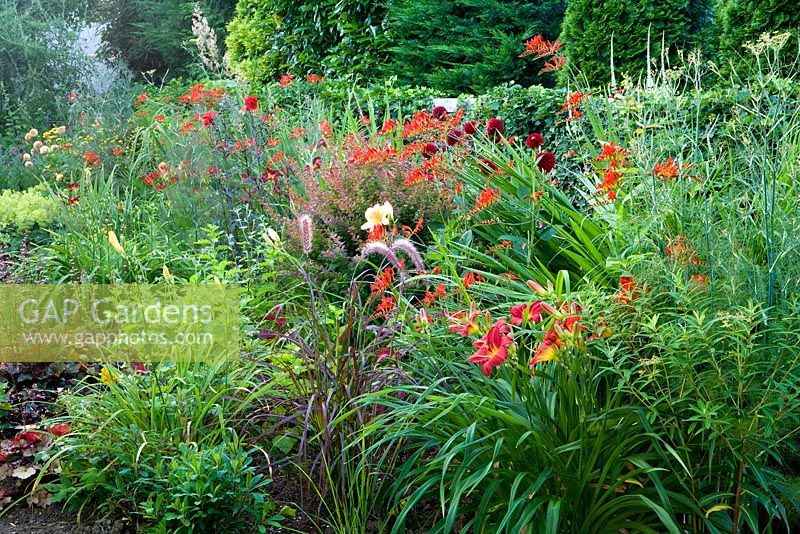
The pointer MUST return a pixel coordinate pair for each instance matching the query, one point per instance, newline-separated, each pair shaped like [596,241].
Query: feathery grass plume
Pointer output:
[409,248]
[382,249]
[306,233]
[206,41]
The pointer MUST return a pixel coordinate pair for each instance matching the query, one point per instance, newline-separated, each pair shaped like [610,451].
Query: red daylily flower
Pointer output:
[493,347]
[464,322]
[527,312]
[251,103]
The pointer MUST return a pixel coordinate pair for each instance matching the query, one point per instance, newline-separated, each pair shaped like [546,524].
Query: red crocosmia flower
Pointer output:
[553,64]
[668,170]
[251,103]
[545,161]
[469,279]
[429,150]
[208,117]
[470,127]
[527,312]
[495,128]
[699,279]
[540,46]
[388,126]
[534,141]
[159,118]
[493,347]
[454,137]
[286,79]
[377,233]
[386,305]
[118,151]
[92,159]
[59,429]
[315,78]
[141,98]
[627,289]
[487,197]
[439,113]
[73,200]
[383,281]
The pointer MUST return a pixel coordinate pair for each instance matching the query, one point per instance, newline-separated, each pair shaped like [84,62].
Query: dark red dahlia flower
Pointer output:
[495,128]
[470,127]
[545,161]
[454,137]
[534,141]
[429,150]
[439,112]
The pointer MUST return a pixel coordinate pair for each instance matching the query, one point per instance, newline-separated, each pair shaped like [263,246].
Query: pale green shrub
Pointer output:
[25,209]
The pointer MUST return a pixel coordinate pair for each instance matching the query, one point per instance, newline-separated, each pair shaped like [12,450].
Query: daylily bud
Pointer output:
[167,275]
[536,288]
[112,239]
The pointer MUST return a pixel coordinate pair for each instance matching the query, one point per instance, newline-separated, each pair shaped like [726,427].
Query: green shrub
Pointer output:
[589,26]
[157,446]
[524,110]
[203,490]
[336,38]
[719,386]
[467,46]
[25,209]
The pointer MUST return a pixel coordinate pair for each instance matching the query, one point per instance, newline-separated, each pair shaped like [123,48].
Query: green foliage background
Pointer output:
[468,45]
[590,24]
[335,38]
[154,34]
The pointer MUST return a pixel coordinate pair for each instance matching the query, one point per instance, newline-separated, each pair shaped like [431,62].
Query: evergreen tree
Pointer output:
[468,45]
[590,24]
[740,21]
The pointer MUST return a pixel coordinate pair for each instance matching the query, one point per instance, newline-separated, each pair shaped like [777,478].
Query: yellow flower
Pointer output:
[271,237]
[167,275]
[112,238]
[378,215]
[106,377]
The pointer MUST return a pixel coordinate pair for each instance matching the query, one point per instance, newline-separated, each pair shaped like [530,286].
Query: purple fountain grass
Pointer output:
[405,245]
